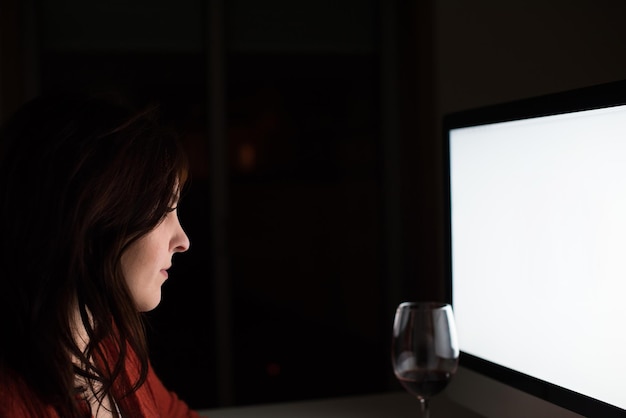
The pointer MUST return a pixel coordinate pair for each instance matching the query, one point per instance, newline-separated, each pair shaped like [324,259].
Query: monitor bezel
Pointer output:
[585,98]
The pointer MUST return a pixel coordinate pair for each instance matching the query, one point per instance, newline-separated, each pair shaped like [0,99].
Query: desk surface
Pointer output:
[393,404]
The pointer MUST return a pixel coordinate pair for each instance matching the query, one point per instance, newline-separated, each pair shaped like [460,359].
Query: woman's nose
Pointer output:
[181,240]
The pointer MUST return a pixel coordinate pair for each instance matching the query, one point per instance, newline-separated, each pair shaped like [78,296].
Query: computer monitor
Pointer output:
[537,253]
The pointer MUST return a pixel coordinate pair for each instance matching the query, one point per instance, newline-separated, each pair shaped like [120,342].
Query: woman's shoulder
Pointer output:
[12,386]
[18,400]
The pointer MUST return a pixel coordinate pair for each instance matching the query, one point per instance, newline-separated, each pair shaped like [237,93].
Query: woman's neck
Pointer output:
[100,404]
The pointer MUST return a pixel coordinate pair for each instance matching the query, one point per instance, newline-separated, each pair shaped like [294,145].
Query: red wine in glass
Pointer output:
[424,383]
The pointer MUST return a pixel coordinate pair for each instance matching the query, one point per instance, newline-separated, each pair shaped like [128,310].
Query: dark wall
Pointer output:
[490,51]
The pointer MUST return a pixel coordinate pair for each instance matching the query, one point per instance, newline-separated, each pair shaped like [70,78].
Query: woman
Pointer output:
[88,228]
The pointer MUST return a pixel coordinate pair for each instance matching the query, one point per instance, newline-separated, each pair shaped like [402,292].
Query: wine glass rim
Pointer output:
[428,304]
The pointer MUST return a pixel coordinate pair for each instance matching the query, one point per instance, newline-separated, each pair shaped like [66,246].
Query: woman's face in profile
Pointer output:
[145,263]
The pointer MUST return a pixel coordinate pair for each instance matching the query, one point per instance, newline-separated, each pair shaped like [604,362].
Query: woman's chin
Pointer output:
[149,304]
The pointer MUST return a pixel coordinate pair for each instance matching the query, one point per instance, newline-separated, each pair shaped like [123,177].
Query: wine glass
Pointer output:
[425,352]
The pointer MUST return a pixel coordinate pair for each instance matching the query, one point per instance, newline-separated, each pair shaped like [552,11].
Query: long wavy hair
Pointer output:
[80,181]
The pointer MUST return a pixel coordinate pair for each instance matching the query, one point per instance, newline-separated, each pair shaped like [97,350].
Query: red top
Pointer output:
[151,400]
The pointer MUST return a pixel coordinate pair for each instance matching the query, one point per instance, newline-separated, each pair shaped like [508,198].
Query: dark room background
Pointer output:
[312,128]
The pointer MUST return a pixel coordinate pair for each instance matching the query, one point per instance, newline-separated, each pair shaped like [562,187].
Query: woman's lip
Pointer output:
[164,272]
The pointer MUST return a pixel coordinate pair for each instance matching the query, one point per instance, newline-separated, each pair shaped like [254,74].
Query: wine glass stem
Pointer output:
[425,407]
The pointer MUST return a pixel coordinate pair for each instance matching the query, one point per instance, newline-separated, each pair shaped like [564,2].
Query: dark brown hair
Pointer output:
[80,180]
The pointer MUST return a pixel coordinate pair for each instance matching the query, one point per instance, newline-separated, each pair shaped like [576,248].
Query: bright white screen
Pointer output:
[538,212]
